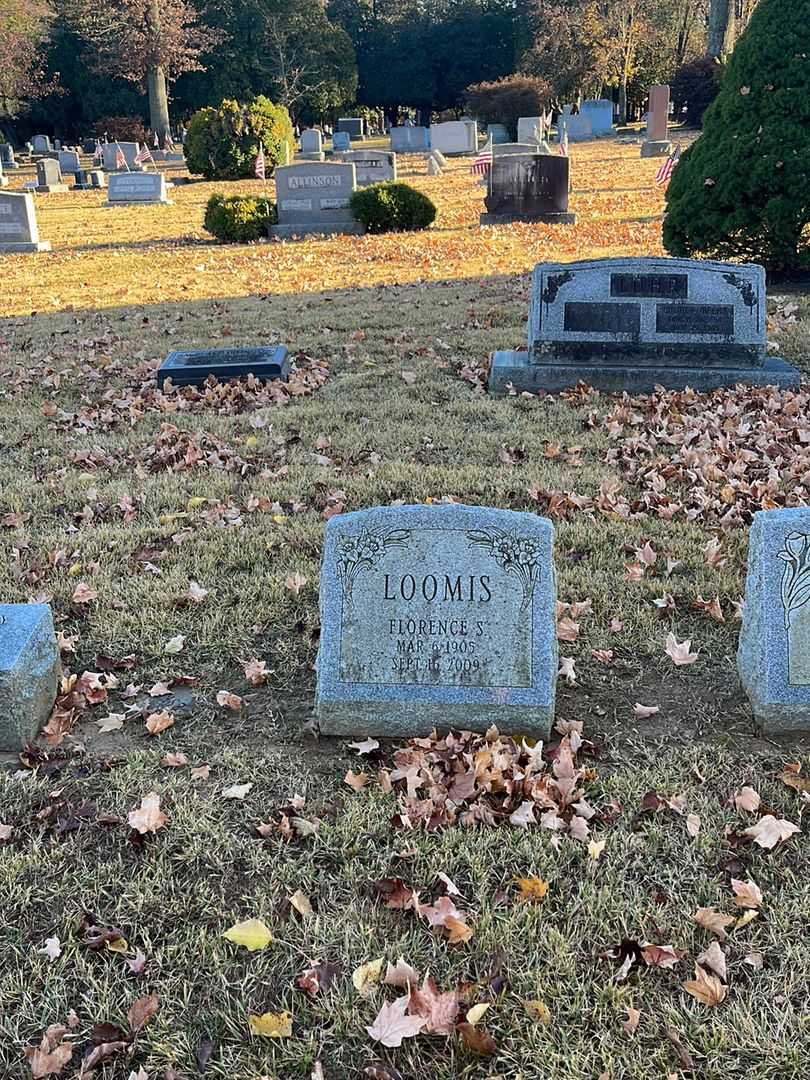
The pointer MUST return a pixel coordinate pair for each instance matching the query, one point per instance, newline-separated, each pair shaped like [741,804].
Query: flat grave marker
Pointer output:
[191,367]
[437,616]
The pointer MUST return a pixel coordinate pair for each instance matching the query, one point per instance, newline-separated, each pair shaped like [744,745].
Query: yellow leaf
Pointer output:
[366,977]
[476,1012]
[195,502]
[272,1025]
[532,889]
[119,945]
[252,933]
[538,1010]
[595,849]
[746,918]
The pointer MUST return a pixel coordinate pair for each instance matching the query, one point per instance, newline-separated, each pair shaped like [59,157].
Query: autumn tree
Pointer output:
[149,42]
[24,28]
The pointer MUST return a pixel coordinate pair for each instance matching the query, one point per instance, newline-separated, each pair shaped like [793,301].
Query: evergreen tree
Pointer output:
[742,191]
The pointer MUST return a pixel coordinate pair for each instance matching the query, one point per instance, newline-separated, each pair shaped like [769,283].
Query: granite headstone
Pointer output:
[409,139]
[530,129]
[437,616]
[128,149]
[341,141]
[498,133]
[49,177]
[578,125]
[29,672]
[137,188]
[192,367]
[454,137]
[18,224]
[656,142]
[353,126]
[312,145]
[372,166]
[69,161]
[528,188]
[41,144]
[7,157]
[600,115]
[313,197]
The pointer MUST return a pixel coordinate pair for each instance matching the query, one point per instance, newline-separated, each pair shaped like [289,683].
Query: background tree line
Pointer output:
[66,64]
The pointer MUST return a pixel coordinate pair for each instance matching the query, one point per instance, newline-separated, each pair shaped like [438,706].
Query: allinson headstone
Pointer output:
[18,224]
[438,616]
[29,672]
[636,323]
[314,197]
[774,652]
[192,367]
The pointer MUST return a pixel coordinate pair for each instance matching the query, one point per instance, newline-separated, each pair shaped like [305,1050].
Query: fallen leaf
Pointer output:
[661,956]
[366,977]
[754,960]
[236,791]
[643,712]
[301,902]
[159,721]
[391,1025]
[714,959]
[113,722]
[747,893]
[295,582]
[747,799]
[631,1023]
[692,824]
[51,1056]
[355,780]
[401,975]
[713,921]
[174,760]
[477,1040]
[175,644]
[227,700]
[252,934]
[256,672]
[271,1025]
[705,987]
[679,651]
[770,831]
[438,1010]
[477,1012]
[532,889]
[595,849]
[367,746]
[196,592]
[148,818]
[141,1012]
[200,772]
[538,1010]
[52,949]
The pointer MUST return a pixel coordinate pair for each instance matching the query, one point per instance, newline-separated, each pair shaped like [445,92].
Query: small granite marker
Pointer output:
[192,367]
[634,324]
[437,616]
[142,188]
[29,672]
[773,658]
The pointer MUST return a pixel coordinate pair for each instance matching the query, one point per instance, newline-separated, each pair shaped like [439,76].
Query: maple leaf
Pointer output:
[631,1023]
[437,914]
[295,582]
[175,644]
[679,651]
[748,893]
[714,959]
[236,791]
[52,1055]
[439,1011]
[252,934]
[367,746]
[567,630]
[113,722]
[705,988]
[159,721]
[196,593]
[661,956]
[366,977]
[770,831]
[391,1025]
[458,932]
[141,1012]
[256,672]
[747,799]
[83,594]
[148,818]
[271,1025]
[713,921]
[396,894]
[532,889]
[643,712]
[595,849]
[566,670]
[355,780]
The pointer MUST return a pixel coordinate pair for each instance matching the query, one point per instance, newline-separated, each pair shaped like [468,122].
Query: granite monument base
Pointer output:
[546,219]
[27,249]
[50,189]
[192,367]
[656,149]
[513,369]
[325,228]
[310,155]
[29,672]
[398,719]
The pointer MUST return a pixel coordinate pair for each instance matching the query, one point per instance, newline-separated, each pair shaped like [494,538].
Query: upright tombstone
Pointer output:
[600,115]
[530,129]
[773,658]
[7,157]
[502,149]
[497,133]
[353,126]
[577,125]
[29,672]
[141,188]
[437,616]
[656,142]
[69,161]
[41,144]
[90,179]
[454,137]
[633,324]
[192,367]
[372,166]
[341,141]
[49,177]
[128,149]
[433,166]
[3,177]
[528,188]
[312,145]
[313,197]
[18,224]
[409,139]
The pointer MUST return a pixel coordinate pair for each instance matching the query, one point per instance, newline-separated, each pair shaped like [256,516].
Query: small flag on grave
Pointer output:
[259,168]
[665,172]
[563,147]
[120,160]
[483,162]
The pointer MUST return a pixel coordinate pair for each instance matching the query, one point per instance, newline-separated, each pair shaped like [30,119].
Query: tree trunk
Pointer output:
[721,28]
[158,104]
[623,98]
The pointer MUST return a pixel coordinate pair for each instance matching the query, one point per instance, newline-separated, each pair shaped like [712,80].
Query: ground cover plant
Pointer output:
[605,917]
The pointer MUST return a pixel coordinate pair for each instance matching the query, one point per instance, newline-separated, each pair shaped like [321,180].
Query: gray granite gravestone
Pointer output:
[497,133]
[312,145]
[372,166]
[433,166]
[41,144]
[353,126]
[773,658]
[49,177]
[341,141]
[454,137]
[600,115]
[136,188]
[89,179]
[192,367]
[578,125]
[634,324]
[128,149]
[7,157]
[18,223]
[409,139]
[69,161]
[29,672]
[437,616]
[313,197]
[530,129]
[528,188]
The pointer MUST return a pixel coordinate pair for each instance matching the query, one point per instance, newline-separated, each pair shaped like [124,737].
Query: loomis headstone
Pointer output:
[656,142]
[634,324]
[18,224]
[774,652]
[29,672]
[137,189]
[437,616]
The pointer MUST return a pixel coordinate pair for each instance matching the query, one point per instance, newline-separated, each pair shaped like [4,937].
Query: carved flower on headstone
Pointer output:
[796,574]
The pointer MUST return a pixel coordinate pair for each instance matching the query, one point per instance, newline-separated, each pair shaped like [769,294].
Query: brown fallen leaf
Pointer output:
[713,921]
[401,975]
[747,893]
[679,651]
[295,582]
[662,956]
[714,959]
[52,1055]
[747,799]
[159,721]
[227,700]
[705,987]
[141,1012]
[477,1039]
[438,1010]
[631,1023]
[532,890]
[355,780]
[148,817]
[256,672]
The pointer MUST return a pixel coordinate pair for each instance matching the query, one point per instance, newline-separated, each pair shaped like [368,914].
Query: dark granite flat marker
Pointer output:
[192,367]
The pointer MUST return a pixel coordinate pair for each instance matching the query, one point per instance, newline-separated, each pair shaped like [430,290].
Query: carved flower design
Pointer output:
[796,574]
[518,555]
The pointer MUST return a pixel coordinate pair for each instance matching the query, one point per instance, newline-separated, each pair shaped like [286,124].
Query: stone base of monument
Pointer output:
[310,156]
[192,367]
[545,219]
[513,371]
[26,249]
[325,228]
[656,149]
[29,672]
[392,720]
[50,189]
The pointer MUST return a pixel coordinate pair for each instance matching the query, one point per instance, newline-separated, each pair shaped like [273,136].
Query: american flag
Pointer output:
[143,155]
[483,163]
[120,160]
[666,170]
[563,147]
[99,152]
[258,168]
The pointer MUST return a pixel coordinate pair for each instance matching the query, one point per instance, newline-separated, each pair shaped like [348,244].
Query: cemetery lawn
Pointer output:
[114,500]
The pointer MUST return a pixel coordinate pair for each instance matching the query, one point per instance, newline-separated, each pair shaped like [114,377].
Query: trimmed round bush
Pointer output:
[222,143]
[392,208]
[237,219]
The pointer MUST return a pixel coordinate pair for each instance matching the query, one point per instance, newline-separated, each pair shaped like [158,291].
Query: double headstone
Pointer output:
[372,166]
[313,197]
[437,616]
[353,126]
[656,142]
[312,145]
[636,323]
[18,224]
[29,671]
[49,177]
[600,115]
[129,151]
[88,179]
[138,188]
[774,651]
[409,139]
[528,187]
[455,137]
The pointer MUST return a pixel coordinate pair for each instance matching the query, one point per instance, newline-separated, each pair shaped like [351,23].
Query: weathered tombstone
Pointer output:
[312,145]
[313,197]
[69,161]
[89,146]
[439,157]
[41,144]
[141,187]
[437,616]
[530,129]
[88,179]
[29,672]
[192,367]
[49,177]
[636,323]
[7,156]
[372,166]
[528,188]
[409,139]
[353,126]
[341,141]
[578,125]
[497,133]
[773,658]
[18,223]
[600,114]
[128,149]
[656,142]
[454,137]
